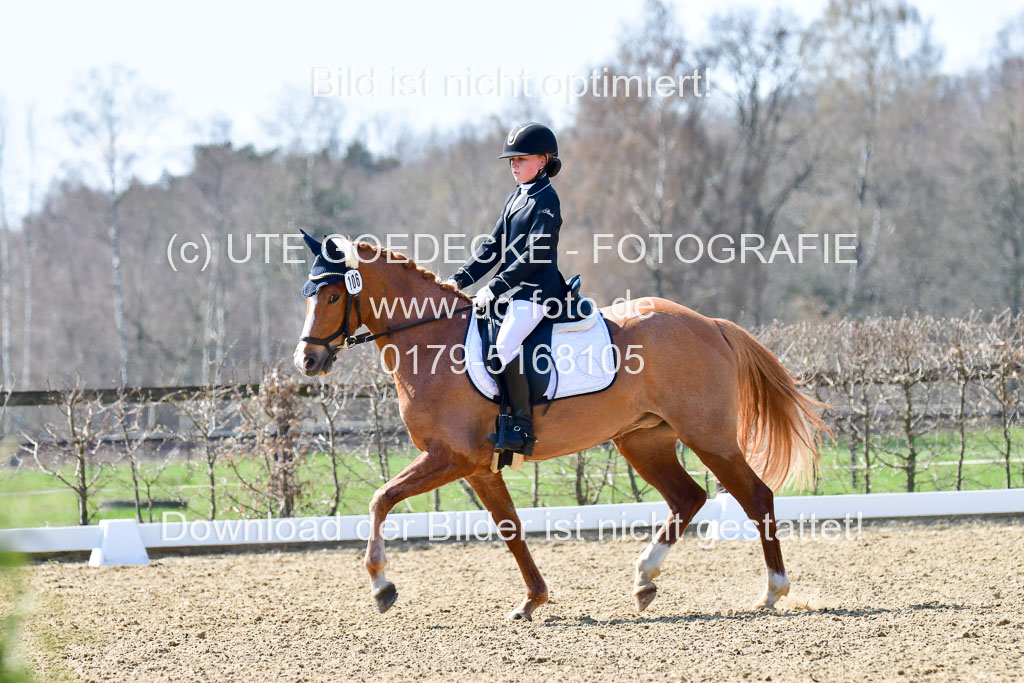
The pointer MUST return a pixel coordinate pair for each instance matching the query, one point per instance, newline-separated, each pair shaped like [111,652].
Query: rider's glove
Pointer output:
[484,297]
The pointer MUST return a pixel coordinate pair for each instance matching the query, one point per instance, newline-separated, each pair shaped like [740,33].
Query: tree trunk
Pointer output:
[82,489]
[638,496]
[1007,402]
[535,492]
[866,435]
[963,436]
[135,488]
[5,278]
[908,431]
[30,255]
[115,260]
[211,478]
[581,496]
[5,296]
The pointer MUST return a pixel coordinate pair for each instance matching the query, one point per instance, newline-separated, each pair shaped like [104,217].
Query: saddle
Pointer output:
[576,313]
[536,350]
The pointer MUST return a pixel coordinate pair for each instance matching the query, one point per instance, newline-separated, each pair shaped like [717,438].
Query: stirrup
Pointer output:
[503,458]
[510,435]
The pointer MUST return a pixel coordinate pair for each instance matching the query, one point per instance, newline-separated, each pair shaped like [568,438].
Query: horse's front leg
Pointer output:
[493,493]
[433,468]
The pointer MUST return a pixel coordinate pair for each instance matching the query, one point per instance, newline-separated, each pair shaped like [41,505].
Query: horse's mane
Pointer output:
[406,262]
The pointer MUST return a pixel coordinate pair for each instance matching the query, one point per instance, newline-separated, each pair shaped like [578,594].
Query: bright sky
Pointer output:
[237,60]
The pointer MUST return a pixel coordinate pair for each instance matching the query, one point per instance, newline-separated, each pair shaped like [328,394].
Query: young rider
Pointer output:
[524,245]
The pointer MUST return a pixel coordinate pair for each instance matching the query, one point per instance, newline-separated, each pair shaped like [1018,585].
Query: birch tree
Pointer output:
[110,118]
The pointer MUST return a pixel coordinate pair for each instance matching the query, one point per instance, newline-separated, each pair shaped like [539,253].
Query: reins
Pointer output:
[349,339]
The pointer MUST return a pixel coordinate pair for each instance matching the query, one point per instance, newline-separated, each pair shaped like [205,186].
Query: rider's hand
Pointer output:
[451,281]
[484,297]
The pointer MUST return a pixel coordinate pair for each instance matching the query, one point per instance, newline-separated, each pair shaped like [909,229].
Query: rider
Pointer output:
[524,245]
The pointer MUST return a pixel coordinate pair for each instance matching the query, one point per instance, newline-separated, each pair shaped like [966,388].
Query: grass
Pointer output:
[31,498]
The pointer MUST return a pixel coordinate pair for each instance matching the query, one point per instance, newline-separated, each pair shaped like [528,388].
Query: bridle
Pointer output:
[348,339]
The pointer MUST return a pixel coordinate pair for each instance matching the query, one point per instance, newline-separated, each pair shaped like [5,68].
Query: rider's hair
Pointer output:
[553,166]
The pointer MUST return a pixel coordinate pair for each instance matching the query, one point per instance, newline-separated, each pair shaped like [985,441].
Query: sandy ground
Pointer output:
[904,601]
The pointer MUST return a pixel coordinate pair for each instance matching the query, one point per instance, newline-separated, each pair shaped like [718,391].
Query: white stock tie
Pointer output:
[518,202]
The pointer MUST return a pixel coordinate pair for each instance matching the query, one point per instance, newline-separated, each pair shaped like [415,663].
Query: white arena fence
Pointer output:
[125,541]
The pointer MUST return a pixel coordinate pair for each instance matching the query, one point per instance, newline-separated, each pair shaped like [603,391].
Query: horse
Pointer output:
[705,382]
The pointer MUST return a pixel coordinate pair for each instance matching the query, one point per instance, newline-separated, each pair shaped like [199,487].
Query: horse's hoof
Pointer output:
[645,596]
[385,596]
[778,589]
[767,603]
[516,615]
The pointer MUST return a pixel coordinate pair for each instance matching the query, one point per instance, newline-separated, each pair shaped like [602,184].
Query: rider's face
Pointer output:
[525,169]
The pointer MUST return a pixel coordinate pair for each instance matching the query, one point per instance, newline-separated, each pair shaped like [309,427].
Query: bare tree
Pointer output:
[1003,350]
[208,412]
[770,160]
[29,237]
[657,157]
[5,398]
[877,50]
[270,449]
[1001,177]
[114,112]
[79,438]
[367,377]
[961,359]
[331,399]
[913,358]
[852,373]
[588,485]
[134,432]
[148,475]
[5,267]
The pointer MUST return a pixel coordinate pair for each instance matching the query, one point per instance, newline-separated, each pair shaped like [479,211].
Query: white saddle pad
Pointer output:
[584,359]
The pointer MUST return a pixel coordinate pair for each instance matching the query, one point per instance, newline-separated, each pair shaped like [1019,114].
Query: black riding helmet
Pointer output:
[532,138]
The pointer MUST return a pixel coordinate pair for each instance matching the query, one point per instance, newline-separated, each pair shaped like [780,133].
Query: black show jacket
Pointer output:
[524,246]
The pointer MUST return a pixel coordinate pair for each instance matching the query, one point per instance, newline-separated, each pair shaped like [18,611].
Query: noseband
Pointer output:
[347,338]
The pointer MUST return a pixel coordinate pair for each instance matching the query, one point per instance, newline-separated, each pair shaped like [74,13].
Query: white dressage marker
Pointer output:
[121,544]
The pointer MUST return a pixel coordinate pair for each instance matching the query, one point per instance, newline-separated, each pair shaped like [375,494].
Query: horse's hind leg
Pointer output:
[493,493]
[729,465]
[652,453]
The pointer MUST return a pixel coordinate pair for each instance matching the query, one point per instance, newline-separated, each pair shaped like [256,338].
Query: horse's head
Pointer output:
[332,306]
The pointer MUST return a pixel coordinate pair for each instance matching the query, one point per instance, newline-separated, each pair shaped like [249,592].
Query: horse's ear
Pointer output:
[311,242]
[341,249]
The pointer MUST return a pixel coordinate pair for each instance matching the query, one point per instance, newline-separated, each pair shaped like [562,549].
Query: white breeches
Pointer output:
[520,320]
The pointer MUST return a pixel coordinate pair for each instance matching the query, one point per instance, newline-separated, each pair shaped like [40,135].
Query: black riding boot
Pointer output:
[517,432]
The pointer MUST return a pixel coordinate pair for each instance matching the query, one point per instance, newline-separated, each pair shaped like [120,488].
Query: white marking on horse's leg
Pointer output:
[649,562]
[378,582]
[376,562]
[382,590]
[648,565]
[778,585]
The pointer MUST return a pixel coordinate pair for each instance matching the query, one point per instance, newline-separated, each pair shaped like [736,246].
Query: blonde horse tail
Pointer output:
[779,428]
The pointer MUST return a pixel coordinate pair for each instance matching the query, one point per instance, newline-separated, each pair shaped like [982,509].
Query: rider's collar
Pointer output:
[536,185]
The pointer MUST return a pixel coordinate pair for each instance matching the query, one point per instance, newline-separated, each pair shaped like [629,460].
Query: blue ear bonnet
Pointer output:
[325,270]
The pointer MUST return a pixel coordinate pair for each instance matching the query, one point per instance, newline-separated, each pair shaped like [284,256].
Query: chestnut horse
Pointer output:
[705,382]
